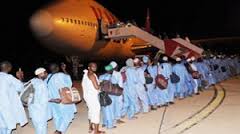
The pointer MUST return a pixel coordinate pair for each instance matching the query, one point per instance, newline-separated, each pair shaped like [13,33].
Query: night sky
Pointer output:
[198,19]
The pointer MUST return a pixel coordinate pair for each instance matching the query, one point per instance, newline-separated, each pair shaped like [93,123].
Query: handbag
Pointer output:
[174,78]
[69,95]
[149,79]
[196,75]
[105,100]
[161,82]
[112,89]
[223,69]
[204,83]
[27,95]
[215,66]
[124,76]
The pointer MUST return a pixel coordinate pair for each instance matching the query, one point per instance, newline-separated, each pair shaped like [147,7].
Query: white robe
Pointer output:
[90,94]
[11,108]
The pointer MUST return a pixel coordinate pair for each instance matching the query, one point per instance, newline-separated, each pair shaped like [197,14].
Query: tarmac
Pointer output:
[215,111]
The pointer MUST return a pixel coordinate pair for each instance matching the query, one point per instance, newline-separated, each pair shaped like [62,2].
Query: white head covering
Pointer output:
[129,62]
[193,58]
[145,59]
[178,59]
[165,58]
[188,60]
[39,71]
[113,64]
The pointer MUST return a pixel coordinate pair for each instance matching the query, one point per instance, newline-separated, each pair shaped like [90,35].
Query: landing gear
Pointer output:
[75,61]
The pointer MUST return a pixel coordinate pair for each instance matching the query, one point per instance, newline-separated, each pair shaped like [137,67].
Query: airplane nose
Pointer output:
[41,23]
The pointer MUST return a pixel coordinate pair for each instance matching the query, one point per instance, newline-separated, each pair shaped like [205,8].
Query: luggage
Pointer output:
[69,95]
[112,89]
[161,82]
[104,99]
[196,75]
[174,78]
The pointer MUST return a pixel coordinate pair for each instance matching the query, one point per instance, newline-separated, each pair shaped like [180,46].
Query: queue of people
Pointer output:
[185,78]
[45,104]
[132,89]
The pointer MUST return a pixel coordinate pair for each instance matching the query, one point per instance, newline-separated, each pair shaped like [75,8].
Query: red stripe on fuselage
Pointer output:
[100,13]
[108,17]
[113,18]
[95,12]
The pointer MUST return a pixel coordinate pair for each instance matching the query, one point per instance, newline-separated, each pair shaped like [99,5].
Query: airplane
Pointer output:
[73,27]
[78,27]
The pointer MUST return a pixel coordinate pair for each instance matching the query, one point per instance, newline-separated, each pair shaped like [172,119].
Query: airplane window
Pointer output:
[75,21]
[82,22]
[71,20]
[85,23]
[88,24]
[79,22]
[67,20]
[62,19]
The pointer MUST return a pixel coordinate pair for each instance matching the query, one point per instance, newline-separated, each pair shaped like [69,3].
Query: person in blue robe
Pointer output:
[63,114]
[11,108]
[38,108]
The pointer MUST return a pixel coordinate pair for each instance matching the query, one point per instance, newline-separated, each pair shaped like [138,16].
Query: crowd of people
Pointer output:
[140,90]
[141,95]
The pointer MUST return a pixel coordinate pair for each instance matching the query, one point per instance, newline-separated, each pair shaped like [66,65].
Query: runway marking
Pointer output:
[193,120]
